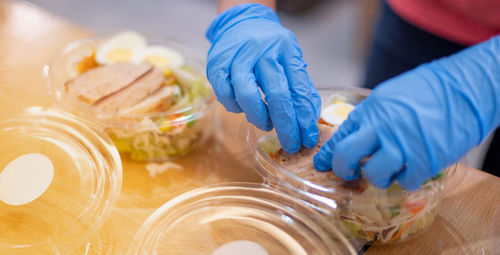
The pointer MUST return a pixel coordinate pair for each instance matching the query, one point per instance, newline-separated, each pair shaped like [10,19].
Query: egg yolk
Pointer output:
[119,55]
[157,60]
[343,111]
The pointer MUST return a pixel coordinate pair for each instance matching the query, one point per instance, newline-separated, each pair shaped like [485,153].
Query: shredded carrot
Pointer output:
[322,121]
[416,206]
[170,81]
[271,155]
[370,234]
[171,122]
[401,231]
[415,211]
[175,116]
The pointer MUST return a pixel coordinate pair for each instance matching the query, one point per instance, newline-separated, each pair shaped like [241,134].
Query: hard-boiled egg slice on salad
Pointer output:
[120,48]
[336,113]
[159,56]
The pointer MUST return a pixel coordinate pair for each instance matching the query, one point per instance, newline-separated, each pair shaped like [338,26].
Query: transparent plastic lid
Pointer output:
[374,215]
[237,218]
[149,93]
[59,179]
[264,144]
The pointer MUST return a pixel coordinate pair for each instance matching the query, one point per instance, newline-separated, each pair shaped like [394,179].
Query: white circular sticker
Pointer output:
[25,179]
[241,247]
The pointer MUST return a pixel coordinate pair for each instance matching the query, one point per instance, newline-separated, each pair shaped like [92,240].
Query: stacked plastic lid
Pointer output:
[59,179]
[237,218]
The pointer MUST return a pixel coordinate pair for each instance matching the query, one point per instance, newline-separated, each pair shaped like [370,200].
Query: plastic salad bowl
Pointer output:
[361,211]
[170,122]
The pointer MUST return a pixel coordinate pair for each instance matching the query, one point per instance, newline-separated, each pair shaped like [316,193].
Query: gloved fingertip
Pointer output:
[320,164]
[292,149]
[407,183]
[289,139]
[263,125]
[261,121]
[231,106]
[233,110]
[354,176]
[381,184]
[268,127]
[343,171]
[311,140]
[291,144]
[259,126]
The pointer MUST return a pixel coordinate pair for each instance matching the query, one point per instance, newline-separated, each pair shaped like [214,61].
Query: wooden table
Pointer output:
[30,37]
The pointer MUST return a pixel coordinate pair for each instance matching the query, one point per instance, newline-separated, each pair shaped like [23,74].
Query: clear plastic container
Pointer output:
[86,182]
[360,210]
[237,218]
[152,136]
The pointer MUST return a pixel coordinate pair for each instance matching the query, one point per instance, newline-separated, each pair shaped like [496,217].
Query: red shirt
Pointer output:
[465,22]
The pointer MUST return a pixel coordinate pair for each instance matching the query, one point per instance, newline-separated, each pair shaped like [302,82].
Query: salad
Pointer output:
[360,210]
[393,215]
[363,211]
[155,138]
[152,103]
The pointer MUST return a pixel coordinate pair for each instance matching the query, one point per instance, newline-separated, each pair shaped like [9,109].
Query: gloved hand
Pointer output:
[252,50]
[416,124]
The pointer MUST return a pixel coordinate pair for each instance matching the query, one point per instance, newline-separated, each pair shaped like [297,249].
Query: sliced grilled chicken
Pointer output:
[302,160]
[160,100]
[103,81]
[134,93]
[301,164]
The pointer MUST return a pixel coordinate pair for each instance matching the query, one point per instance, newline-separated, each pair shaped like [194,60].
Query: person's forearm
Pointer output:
[474,73]
[226,4]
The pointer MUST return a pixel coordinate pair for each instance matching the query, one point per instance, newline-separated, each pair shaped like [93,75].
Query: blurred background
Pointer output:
[334,34]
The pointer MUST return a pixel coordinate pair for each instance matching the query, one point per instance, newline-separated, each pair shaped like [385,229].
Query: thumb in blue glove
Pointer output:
[252,52]
[416,124]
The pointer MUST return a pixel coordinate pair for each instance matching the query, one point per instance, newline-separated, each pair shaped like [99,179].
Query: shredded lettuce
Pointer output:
[166,137]
[422,222]
[193,87]
[152,145]
[378,215]
[437,177]
[269,143]
[395,210]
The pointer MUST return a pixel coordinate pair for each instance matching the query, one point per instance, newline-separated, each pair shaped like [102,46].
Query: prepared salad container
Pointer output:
[237,218]
[60,178]
[149,95]
[360,210]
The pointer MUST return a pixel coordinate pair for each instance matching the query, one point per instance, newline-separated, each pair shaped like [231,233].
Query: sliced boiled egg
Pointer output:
[120,48]
[336,113]
[159,56]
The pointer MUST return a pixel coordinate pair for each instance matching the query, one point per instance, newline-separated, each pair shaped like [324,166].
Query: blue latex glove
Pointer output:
[252,50]
[426,118]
